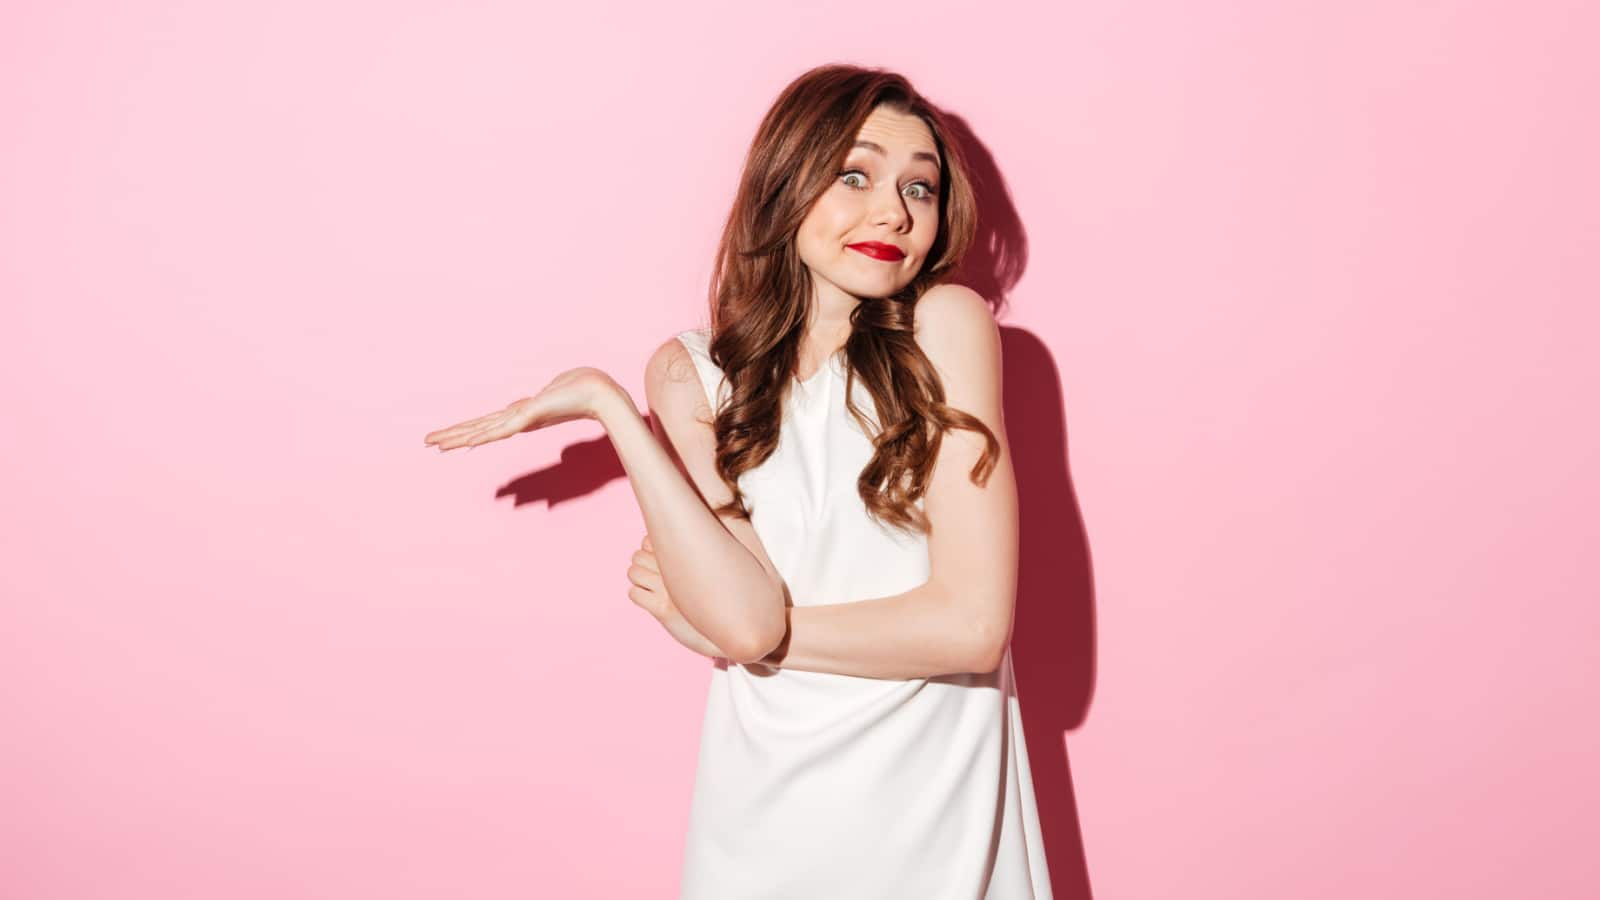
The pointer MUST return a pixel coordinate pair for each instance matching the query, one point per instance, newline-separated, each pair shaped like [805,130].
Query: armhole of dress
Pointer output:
[710,379]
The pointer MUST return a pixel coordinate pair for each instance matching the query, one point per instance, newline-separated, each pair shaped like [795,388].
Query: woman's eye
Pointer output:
[928,192]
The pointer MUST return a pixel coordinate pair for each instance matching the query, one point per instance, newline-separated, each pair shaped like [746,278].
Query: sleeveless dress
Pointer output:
[820,786]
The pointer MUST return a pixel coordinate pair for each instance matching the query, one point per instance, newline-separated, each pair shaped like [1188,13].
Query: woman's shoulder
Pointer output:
[947,307]
[679,348]
[680,370]
[958,333]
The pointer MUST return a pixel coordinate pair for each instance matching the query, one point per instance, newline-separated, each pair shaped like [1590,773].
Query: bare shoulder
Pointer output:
[671,384]
[680,415]
[952,306]
[957,331]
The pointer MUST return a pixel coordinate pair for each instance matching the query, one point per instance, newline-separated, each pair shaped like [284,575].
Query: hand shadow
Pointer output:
[585,467]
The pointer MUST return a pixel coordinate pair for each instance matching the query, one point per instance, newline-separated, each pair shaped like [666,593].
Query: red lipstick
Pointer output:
[877,250]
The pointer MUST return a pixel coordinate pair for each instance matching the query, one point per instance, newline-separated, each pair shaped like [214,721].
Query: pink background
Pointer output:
[1305,293]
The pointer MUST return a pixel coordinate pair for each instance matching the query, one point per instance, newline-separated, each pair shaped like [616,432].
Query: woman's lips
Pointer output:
[885,252]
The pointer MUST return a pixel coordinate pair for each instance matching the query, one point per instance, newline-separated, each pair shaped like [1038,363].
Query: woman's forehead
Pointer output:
[896,134]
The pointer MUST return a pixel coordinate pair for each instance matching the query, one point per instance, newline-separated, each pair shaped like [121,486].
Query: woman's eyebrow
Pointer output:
[878,148]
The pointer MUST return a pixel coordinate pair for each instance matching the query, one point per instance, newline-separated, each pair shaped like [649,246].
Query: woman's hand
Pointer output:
[650,594]
[574,394]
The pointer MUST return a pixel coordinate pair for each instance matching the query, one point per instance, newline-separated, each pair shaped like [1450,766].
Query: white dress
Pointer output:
[819,786]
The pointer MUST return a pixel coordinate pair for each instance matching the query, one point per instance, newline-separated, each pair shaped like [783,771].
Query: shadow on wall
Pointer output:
[1053,636]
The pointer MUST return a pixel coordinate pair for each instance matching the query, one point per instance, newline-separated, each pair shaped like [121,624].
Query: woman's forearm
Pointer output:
[916,634]
[687,635]
[714,580]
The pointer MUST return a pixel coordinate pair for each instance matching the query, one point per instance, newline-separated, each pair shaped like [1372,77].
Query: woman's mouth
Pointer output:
[880,251]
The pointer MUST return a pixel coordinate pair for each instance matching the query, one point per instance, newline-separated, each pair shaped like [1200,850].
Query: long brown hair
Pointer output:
[760,294]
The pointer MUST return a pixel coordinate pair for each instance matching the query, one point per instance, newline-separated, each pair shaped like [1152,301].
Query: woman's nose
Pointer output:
[891,212]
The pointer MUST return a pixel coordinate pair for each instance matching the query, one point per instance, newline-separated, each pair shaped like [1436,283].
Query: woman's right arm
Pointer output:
[715,568]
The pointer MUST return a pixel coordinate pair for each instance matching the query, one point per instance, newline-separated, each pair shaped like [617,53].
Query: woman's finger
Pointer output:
[461,438]
[646,600]
[516,416]
[644,578]
[513,423]
[646,559]
[568,397]
[460,428]
[467,439]
[514,419]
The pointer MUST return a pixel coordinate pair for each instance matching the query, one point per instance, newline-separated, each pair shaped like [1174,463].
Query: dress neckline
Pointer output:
[827,366]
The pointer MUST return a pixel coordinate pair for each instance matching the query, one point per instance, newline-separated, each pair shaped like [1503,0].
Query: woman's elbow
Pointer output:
[989,658]
[751,652]
[768,635]
[989,645]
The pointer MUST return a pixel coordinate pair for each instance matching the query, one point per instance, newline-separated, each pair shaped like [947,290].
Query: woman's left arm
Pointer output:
[960,619]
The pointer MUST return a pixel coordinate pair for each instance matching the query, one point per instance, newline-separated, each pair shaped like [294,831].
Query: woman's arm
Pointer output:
[650,594]
[960,619]
[729,589]
[921,633]
[715,571]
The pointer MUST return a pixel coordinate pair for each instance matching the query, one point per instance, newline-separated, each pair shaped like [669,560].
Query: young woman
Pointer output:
[831,515]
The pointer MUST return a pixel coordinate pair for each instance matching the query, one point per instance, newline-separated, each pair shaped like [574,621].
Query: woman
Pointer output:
[831,515]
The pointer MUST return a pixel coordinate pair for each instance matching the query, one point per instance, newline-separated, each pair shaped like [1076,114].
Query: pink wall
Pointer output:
[1308,286]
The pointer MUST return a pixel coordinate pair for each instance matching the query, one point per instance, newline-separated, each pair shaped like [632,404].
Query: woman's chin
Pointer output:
[882,286]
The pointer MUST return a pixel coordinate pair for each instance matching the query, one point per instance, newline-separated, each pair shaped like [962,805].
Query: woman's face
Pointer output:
[885,199]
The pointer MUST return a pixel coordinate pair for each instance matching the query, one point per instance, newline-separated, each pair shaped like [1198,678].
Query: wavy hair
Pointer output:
[761,292]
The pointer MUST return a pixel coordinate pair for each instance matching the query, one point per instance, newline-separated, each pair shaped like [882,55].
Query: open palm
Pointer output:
[573,394]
